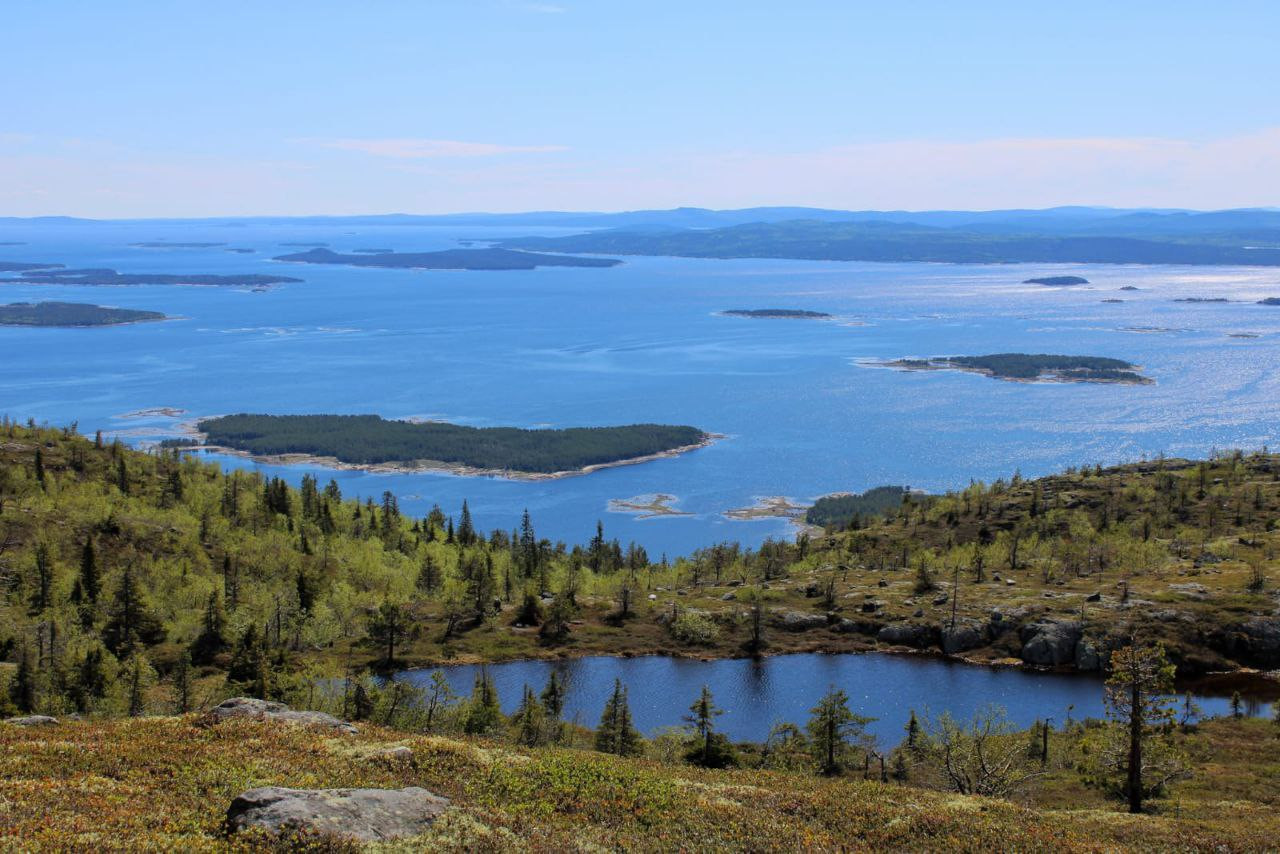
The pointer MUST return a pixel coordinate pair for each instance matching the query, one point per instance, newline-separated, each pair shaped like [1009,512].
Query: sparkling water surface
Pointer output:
[803,412]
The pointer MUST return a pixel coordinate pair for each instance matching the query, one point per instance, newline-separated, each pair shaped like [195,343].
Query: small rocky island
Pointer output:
[450,259]
[372,442]
[1202,299]
[1057,281]
[71,314]
[1033,367]
[1269,301]
[111,277]
[795,313]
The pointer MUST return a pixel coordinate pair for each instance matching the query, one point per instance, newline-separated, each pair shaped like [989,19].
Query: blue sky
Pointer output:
[185,108]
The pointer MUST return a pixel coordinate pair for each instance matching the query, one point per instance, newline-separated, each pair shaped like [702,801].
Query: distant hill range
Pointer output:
[1054,235]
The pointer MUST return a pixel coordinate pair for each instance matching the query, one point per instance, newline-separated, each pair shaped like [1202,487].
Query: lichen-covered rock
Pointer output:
[1050,643]
[797,621]
[861,627]
[367,815]
[250,707]
[32,720]
[1087,658]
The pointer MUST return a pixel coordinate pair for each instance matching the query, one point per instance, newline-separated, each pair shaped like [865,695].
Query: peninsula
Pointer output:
[111,277]
[366,441]
[775,313]
[58,314]
[449,259]
[1033,367]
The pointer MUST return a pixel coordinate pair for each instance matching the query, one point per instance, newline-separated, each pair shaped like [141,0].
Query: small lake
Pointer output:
[756,694]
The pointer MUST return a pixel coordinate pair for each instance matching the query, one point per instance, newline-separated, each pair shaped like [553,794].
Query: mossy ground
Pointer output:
[165,783]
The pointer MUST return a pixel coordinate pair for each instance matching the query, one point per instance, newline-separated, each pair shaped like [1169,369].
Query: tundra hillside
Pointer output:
[112,558]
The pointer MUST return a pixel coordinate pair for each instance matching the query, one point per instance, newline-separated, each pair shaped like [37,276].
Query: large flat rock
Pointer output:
[367,815]
[250,707]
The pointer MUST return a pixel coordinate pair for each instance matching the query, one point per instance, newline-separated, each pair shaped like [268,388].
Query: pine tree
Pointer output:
[362,703]
[913,731]
[484,715]
[212,639]
[553,697]
[22,688]
[131,620]
[429,576]
[182,687]
[39,467]
[832,730]
[248,668]
[529,719]
[701,718]
[89,583]
[137,686]
[1137,698]
[466,530]
[388,626]
[616,733]
[90,680]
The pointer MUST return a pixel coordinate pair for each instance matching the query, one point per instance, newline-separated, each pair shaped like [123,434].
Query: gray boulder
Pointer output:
[961,639]
[907,634]
[1050,643]
[366,815]
[32,720]
[797,621]
[1087,658]
[265,710]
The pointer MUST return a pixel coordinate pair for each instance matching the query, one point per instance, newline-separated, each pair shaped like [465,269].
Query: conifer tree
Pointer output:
[529,720]
[833,729]
[212,639]
[22,688]
[553,697]
[182,687]
[616,733]
[484,715]
[131,620]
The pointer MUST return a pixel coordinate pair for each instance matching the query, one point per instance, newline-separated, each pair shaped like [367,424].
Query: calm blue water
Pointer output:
[642,342]
[756,694]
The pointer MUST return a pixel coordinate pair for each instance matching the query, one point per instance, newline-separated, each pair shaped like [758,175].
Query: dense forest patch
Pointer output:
[371,440]
[71,314]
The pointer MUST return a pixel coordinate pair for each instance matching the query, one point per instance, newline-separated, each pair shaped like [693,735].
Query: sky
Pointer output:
[177,108]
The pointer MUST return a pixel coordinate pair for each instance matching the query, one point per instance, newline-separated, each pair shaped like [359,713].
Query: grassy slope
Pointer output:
[164,783]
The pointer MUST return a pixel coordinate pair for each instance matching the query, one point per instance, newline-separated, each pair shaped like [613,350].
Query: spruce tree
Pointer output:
[248,669]
[212,639]
[616,733]
[22,689]
[182,687]
[484,715]
[131,620]
[89,583]
[529,719]
[832,730]
[553,697]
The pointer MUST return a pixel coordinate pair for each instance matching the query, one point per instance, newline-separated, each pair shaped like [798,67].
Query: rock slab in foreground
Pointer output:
[32,720]
[367,815]
[249,707]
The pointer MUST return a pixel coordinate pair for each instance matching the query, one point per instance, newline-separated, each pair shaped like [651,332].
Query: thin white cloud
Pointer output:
[418,149]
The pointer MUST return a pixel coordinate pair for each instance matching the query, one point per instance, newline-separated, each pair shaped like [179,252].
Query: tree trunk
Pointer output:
[1135,747]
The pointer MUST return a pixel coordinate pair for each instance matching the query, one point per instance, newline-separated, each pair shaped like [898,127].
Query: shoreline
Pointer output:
[189,429]
[1247,677]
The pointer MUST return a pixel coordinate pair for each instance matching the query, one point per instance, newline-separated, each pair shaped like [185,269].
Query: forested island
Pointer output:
[775,313]
[449,259]
[98,276]
[1033,367]
[1057,281]
[25,266]
[1202,299]
[71,314]
[1269,301]
[904,241]
[369,440]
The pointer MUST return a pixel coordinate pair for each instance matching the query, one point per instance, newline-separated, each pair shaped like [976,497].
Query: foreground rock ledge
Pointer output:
[249,707]
[367,815]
